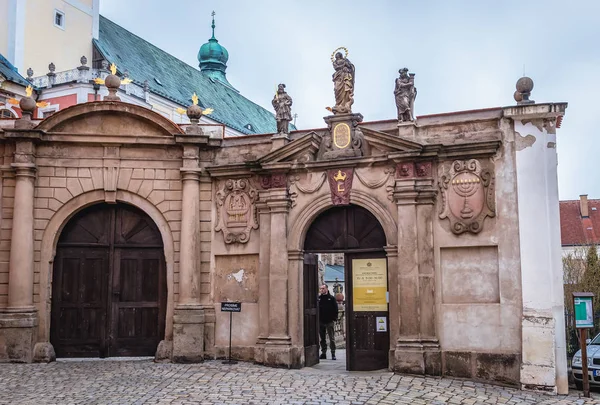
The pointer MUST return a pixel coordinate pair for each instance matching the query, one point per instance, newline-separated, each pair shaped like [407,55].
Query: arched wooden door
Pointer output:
[356,232]
[109,284]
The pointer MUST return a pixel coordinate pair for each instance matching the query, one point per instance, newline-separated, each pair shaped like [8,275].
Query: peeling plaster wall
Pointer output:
[544,355]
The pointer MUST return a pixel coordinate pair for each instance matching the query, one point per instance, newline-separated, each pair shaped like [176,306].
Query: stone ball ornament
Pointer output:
[194,111]
[27,104]
[524,85]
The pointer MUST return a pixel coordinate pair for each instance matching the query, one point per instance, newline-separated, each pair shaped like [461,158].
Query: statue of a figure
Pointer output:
[343,84]
[282,103]
[405,93]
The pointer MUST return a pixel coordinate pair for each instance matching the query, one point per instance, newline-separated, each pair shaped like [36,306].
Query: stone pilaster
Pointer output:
[417,349]
[264,258]
[278,343]
[543,322]
[18,322]
[188,317]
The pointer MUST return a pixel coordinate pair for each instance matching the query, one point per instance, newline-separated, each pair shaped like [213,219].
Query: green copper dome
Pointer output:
[213,57]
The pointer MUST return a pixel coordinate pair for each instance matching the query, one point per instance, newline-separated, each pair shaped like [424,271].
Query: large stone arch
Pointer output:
[311,212]
[52,234]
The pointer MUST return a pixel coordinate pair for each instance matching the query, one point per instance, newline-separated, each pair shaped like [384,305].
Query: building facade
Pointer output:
[123,232]
[579,225]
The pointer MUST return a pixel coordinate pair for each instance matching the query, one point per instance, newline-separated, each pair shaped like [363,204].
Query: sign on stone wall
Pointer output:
[236,211]
[467,195]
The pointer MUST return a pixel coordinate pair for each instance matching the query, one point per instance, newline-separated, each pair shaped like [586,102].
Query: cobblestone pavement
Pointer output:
[146,382]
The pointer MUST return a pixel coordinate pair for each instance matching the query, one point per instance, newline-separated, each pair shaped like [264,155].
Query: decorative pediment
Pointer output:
[109,119]
[300,150]
[384,143]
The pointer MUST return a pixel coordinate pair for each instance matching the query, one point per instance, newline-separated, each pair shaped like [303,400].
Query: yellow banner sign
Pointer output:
[369,285]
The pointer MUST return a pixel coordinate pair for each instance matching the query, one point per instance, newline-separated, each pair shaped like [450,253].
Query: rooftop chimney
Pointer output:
[583,206]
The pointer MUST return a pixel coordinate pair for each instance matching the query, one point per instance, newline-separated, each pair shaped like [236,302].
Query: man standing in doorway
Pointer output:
[328,313]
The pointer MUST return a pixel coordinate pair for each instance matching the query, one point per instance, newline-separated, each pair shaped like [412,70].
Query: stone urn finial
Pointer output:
[83,60]
[29,74]
[524,87]
[194,113]
[112,83]
[27,105]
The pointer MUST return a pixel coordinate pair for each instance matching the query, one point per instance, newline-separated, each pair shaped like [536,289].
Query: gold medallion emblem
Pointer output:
[341,135]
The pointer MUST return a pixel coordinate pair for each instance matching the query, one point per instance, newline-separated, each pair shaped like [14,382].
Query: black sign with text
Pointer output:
[231,307]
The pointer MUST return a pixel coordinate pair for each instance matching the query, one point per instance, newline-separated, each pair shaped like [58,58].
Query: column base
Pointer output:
[43,352]
[259,350]
[188,334]
[418,356]
[164,351]
[279,352]
[18,330]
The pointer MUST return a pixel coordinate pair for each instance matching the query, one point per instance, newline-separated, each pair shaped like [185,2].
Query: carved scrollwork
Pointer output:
[236,210]
[296,186]
[467,195]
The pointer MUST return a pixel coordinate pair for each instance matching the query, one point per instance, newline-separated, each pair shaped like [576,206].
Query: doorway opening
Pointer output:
[109,287]
[347,243]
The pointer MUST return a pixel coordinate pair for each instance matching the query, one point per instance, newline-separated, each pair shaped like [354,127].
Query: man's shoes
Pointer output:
[333,357]
[323,356]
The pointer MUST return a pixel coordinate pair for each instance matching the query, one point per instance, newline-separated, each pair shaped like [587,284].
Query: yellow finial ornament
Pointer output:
[29,91]
[113,69]
[195,99]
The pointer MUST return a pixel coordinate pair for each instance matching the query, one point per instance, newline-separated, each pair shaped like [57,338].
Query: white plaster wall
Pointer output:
[4,27]
[541,265]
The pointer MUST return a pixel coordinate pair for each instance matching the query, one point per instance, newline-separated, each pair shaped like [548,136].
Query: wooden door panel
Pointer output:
[368,349]
[311,313]
[79,305]
[138,302]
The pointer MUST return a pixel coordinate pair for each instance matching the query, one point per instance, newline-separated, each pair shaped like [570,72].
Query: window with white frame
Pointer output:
[59,19]
[5,113]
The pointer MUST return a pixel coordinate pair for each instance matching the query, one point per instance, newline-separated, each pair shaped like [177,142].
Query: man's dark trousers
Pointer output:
[327,328]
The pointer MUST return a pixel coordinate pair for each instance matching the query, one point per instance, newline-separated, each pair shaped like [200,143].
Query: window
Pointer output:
[46,114]
[6,114]
[59,19]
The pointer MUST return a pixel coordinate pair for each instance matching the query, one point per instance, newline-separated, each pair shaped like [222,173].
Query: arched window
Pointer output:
[4,113]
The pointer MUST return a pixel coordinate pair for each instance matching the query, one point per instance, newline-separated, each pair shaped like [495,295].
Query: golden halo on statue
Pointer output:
[340,48]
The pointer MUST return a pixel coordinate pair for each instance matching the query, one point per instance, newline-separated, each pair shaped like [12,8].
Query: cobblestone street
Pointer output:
[146,382]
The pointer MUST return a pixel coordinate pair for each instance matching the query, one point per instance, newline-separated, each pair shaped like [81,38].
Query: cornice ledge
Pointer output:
[530,111]
[309,142]
[471,149]
[237,170]
[29,134]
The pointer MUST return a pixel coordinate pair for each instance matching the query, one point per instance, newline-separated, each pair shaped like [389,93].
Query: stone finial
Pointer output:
[104,64]
[112,83]
[83,68]
[51,67]
[126,73]
[524,87]
[27,105]
[29,74]
[83,60]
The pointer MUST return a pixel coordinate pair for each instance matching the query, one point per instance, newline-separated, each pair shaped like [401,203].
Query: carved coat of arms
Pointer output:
[467,195]
[236,211]
[340,183]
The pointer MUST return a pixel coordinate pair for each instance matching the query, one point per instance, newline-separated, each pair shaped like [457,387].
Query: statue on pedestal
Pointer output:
[405,93]
[282,103]
[343,82]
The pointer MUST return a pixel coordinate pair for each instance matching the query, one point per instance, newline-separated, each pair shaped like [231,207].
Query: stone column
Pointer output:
[278,344]
[188,317]
[264,258]
[543,323]
[417,349]
[18,322]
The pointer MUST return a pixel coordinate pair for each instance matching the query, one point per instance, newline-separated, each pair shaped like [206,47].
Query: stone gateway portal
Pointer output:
[123,232]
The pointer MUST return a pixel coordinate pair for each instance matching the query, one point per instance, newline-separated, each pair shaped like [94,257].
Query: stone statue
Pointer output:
[282,103]
[343,83]
[405,93]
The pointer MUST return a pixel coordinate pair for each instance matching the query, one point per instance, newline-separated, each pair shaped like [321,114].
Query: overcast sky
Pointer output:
[465,54]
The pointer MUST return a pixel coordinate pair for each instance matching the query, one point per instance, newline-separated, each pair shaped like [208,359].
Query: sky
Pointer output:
[465,54]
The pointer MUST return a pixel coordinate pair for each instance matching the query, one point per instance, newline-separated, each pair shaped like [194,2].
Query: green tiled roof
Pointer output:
[176,80]
[10,72]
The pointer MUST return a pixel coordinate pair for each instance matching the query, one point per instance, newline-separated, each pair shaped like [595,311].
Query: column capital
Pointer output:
[24,169]
[414,192]
[296,255]
[391,250]
[188,173]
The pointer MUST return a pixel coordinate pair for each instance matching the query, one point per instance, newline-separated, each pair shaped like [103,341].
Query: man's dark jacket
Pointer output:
[328,308]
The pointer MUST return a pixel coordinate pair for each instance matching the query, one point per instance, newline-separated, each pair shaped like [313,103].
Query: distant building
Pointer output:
[63,48]
[579,223]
